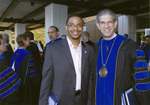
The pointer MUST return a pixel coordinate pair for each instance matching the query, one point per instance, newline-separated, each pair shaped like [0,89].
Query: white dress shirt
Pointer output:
[76,56]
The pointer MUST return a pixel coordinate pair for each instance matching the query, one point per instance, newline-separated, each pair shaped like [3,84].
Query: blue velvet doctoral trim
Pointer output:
[12,89]
[148,54]
[105,93]
[31,68]
[1,57]
[140,53]
[54,41]
[18,56]
[5,72]
[140,64]
[31,73]
[8,82]
[142,75]
[143,86]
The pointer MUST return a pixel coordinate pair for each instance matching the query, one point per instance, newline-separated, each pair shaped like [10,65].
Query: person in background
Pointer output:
[147,41]
[35,53]
[34,47]
[24,65]
[68,68]
[126,35]
[63,36]
[121,65]
[53,33]
[147,50]
[86,39]
[10,83]
[7,54]
[143,44]
[40,42]
[34,50]
[147,54]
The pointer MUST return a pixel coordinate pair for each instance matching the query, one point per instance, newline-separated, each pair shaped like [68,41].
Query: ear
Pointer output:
[66,27]
[97,24]
[57,33]
[116,22]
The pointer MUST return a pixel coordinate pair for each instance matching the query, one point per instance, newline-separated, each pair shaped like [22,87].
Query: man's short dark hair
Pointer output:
[126,35]
[147,36]
[74,15]
[55,28]
[29,34]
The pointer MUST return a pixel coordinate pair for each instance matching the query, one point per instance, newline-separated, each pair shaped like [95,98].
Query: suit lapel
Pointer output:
[67,52]
[84,57]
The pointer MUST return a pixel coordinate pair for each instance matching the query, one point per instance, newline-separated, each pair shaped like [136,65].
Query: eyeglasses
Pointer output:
[73,26]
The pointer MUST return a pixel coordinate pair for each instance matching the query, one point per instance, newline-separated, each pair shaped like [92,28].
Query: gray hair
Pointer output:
[105,12]
[6,37]
[86,34]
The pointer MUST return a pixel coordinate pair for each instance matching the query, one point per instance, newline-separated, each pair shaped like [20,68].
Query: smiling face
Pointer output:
[107,26]
[74,28]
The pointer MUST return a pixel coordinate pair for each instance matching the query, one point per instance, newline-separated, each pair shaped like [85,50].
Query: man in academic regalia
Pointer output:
[121,65]
[9,81]
[53,34]
[25,67]
[35,52]
[7,54]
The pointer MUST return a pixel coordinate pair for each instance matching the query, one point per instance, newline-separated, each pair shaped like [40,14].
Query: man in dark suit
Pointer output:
[68,68]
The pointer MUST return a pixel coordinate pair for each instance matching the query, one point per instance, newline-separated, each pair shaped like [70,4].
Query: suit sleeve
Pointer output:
[47,77]
[91,80]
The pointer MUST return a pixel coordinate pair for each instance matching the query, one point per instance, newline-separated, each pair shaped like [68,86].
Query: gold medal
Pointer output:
[103,72]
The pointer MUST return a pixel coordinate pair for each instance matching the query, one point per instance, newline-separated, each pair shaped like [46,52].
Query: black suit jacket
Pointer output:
[59,77]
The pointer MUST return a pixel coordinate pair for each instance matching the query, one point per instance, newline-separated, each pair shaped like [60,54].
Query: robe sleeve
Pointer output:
[9,84]
[141,77]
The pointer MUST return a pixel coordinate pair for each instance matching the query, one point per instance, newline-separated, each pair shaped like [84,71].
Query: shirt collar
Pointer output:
[70,43]
[114,35]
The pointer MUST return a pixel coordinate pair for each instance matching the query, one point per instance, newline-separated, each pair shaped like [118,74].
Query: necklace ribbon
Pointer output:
[103,70]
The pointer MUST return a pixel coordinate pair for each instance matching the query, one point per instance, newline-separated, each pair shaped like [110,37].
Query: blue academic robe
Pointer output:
[122,66]
[25,68]
[54,41]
